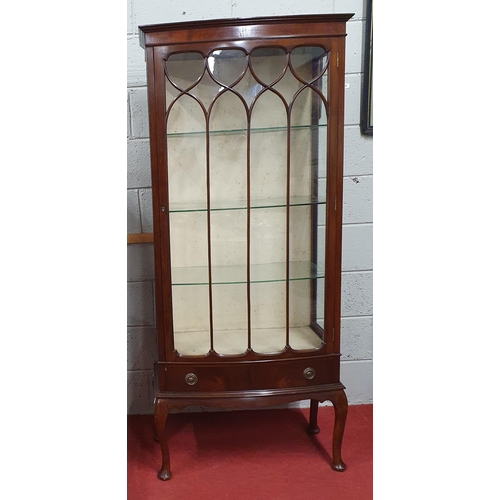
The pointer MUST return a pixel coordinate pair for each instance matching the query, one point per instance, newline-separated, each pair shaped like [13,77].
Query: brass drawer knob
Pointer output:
[309,373]
[191,379]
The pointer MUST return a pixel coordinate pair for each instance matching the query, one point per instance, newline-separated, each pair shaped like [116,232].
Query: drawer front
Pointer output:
[248,375]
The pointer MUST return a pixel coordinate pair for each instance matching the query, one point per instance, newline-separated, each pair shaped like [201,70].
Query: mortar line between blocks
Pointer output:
[357,176]
[359,316]
[357,224]
[360,271]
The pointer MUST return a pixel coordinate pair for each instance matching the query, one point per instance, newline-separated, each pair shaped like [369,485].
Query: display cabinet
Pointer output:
[246,130]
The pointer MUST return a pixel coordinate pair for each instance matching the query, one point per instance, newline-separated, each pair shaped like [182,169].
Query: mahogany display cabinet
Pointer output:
[246,122]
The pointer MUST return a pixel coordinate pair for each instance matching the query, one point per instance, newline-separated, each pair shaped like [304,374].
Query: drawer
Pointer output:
[246,375]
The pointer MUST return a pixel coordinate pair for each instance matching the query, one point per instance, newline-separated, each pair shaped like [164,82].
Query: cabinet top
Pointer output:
[243,28]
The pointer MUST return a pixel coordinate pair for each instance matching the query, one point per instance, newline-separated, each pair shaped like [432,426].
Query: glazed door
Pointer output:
[243,196]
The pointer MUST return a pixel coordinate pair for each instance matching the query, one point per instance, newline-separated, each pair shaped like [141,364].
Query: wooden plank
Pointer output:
[140,238]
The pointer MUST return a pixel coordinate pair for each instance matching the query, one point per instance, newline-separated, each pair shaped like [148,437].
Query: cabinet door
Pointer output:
[246,155]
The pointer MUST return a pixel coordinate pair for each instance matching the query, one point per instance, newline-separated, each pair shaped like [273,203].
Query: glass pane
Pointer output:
[185,69]
[186,165]
[191,319]
[227,65]
[304,250]
[206,91]
[301,233]
[303,168]
[228,237]
[187,170]
[321,85]
[268,112]
[320,303]
[268,149]
[189,251]
[308,62]
[230,318]
[304,332]
[268,302]
[185,116]
[248,88]
[268,158]
[268,64]
[307,177]
[268,299]
[318,286]
[308,110]
[268,239]
[288,86]
[319,256]
[228,229]
[320,153]
[228,153]
[188,239]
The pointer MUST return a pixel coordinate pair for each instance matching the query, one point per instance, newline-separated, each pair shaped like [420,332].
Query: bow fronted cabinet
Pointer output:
[246,124]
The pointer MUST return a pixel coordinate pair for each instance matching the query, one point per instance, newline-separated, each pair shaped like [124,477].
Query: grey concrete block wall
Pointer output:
[138,164]
[133,212]
[141,331]
[357,275]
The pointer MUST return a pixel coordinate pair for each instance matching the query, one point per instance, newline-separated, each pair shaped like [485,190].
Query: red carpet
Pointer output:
[251,455]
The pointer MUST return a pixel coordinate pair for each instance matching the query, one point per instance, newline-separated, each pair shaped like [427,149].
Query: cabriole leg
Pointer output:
[339,401]
[155,434]
[161,413]
[313,418]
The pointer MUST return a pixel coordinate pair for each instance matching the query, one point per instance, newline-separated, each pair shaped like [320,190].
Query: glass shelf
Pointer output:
[256,130]
[201,206]
[259,273]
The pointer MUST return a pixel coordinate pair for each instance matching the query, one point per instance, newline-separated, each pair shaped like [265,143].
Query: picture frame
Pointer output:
[366,122]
